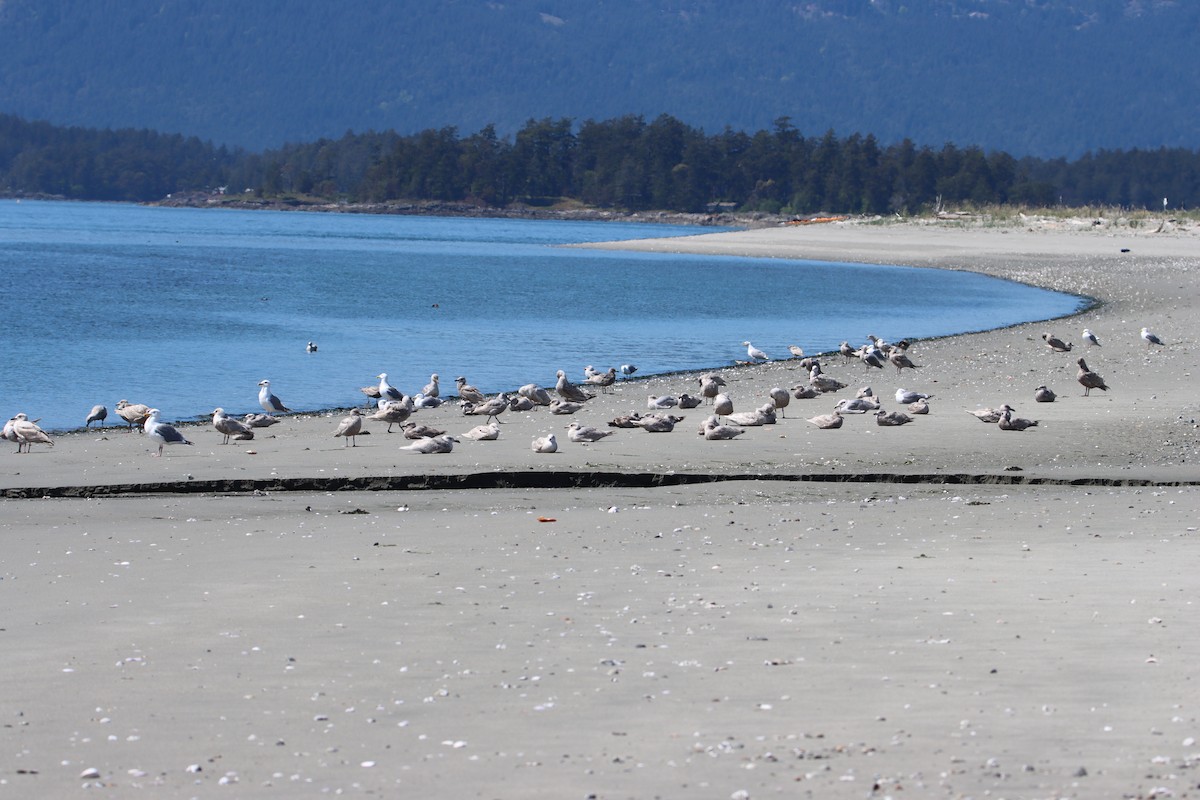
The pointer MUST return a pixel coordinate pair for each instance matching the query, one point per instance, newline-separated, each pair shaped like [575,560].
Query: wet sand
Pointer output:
[782,635]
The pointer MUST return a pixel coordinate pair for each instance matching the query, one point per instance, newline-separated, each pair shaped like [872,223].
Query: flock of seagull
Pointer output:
[393,407]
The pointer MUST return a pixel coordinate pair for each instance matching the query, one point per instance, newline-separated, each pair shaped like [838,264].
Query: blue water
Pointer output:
[188,309]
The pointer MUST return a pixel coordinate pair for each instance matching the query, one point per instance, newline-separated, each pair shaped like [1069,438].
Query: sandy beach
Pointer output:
[943,609]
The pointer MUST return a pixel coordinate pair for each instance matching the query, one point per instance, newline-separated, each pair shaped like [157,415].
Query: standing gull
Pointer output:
[229,427]
[432,389]
[97,414]
[393,413]
[386,390]
[1090,338]
[780,398]
[568,390]
[161,432]
[901,361]
[26,433]
[489,408]
[268,401]
[467,392]
[628,369]
[133,413]
[603,379]
[535,394]
[1088,379]
[754,353]
[1151,339]
[350,427]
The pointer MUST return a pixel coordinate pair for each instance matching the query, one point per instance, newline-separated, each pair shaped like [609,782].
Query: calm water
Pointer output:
[187,309]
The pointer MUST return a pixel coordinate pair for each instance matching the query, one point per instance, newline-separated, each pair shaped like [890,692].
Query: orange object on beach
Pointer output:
[547,519]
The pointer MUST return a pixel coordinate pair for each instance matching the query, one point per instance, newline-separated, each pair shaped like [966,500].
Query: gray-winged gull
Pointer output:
[26,433]
[1151,339]
[436,444]
[229,427]
[1056,344]
[712,430]
[161,432]
[98,413]
[544,444]
[1089,338]
[268,401]
[569,391]
[386,390]
[1042,394]
[754,353]
[1088,379]
[586,434]
[1008,422]
[483,433]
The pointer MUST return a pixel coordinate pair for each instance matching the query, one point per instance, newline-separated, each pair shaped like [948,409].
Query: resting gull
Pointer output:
[416,430]
[857,405]
[350,427]
[919,407]
[97,414]
[519,403]
[161,432]
[661,402]
[796,351]
[1088,379]
[586,434]
[436,444]
[905,396]
[432,389]
[687,401]
[1089,338]
[260,420]
[626,421]
[988,415]
[229,427]
[311,347]
[1043,395]
[891,418]
[1056,344]
[827,421]
[483,433]
[653,423]
[802,392]
[1151,339]
[754,353]
[268,401]
[564,407]
[1008,422]
[545,444]
[714,431]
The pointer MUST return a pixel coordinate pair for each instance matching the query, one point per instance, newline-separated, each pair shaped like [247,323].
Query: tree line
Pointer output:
[623,163]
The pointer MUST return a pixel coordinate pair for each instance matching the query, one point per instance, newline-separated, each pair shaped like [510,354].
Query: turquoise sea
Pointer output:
[188,309]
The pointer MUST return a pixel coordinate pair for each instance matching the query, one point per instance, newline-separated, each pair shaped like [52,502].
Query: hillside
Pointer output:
[1032,77]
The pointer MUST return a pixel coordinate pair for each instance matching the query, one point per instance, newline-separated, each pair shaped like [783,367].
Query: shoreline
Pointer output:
[1022,634]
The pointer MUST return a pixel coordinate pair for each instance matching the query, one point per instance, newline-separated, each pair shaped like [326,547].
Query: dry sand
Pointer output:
[1014,622]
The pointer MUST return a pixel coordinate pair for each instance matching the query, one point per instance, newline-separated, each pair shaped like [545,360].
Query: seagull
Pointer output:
[796,351]
[986,414]
[687,401]
[1090,338]
[386,390]
[753,419]
[484,433]
[628,369]
[712,430]
[568,390]
[26,433]
[545,444]
[535,394]
[260,420]
[858,405]
[723,405]
[822,382]
[847,351]
[872,356]
[780,398]
[97,414]
[414,430]
[905,396]
[661,402]
[350,427]
[653,423]
[1056,344]
[133,413]
[802,392]
[1151,339]
[393,413]
[586,434]
[603,379]
[432,389]
[827,421]
[625,421]
[901,361]
[489,408]
[519,403]
[589,371]
[891,418]
[311,347]
[467,392]
[436,444]
[919,407]
[161,432]
[709,388]
[754,353]
[372,393]
[1043,395]
[1008,422]
[1088,379]
[229,427]
[424,401]
[268,401]
[563,407]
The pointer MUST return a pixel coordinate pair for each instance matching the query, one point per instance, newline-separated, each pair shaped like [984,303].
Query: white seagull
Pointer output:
[545,444]
[162,433]
[1151,339]
[585,434]
[1090,338]
[435,444]
[268,401]
[754,353]
[386,390]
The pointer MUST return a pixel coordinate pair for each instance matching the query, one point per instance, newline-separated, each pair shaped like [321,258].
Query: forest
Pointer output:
[624,163]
